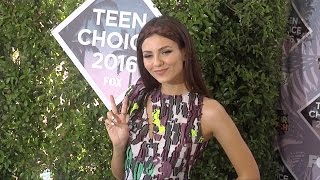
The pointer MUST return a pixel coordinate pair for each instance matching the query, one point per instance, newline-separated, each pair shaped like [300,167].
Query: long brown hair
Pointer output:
[171,28]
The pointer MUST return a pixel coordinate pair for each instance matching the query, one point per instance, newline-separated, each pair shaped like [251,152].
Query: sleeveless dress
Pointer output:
[177,140]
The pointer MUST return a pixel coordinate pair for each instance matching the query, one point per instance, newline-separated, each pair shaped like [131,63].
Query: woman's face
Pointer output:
[163,59]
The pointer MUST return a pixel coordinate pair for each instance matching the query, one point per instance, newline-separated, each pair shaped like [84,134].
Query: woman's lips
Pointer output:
[161,72]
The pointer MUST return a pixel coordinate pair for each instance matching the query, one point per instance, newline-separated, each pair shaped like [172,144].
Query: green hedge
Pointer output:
[49,114]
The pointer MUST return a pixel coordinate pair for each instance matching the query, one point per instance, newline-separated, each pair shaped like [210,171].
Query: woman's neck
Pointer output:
[173,89]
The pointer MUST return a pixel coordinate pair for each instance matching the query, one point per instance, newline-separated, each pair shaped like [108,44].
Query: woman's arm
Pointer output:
[216,122]
[118,131]
[117,163]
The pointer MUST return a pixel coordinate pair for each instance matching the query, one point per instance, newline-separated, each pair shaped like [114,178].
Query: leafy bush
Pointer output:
[49,114]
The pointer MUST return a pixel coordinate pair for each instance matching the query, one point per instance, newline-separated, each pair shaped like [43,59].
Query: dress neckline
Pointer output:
[158,93]
[175,95]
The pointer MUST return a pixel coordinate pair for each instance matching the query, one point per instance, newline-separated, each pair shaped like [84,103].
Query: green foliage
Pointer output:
[49,114]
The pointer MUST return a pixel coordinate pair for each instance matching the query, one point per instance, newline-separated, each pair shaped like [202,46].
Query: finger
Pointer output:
[124,108]
[113,105]
[112,117]
[108,124]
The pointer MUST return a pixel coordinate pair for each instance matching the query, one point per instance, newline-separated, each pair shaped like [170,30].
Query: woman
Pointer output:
[167,118]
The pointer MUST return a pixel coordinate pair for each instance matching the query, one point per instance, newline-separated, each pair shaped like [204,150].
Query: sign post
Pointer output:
[100,38]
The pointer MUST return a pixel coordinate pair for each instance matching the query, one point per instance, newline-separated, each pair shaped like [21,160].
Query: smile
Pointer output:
[160,72]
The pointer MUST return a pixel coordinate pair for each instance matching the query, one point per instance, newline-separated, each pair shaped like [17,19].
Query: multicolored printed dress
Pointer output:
[176,142]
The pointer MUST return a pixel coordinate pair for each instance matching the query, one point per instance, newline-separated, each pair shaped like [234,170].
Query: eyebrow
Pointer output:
[164,47]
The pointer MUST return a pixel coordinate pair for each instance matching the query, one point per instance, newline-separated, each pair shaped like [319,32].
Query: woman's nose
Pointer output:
[158,61]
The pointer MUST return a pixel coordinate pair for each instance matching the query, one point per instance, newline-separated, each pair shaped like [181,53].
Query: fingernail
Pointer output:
[112,123]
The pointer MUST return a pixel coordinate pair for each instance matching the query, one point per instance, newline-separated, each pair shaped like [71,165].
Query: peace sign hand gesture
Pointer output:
[117,124]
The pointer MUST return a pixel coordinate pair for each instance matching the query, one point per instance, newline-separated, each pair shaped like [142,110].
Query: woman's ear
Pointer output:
[184,54]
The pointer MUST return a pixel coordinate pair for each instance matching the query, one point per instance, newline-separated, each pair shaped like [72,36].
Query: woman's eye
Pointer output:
[167,52]
[147,56]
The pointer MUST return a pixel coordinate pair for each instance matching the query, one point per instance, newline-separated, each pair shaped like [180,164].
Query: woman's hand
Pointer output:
[117,125]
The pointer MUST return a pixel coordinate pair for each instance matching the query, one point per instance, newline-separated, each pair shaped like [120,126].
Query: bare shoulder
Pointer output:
[214,116]
[211,107]
[217,123]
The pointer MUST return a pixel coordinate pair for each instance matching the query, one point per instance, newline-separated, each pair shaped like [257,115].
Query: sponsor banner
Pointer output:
[298,142]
